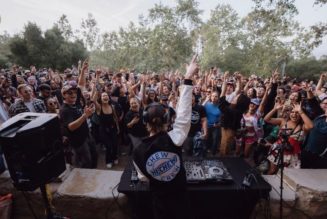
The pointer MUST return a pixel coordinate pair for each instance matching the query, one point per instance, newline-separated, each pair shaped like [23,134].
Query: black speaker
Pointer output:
[33,149]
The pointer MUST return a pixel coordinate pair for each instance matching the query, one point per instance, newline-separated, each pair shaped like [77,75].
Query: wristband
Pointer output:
[188,82]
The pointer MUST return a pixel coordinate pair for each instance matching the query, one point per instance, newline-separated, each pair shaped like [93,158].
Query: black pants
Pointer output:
[312,161]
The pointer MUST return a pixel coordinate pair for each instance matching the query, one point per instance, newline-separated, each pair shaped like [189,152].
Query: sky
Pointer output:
[112,14]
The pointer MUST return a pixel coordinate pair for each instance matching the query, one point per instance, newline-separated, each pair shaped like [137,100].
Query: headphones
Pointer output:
[158,111]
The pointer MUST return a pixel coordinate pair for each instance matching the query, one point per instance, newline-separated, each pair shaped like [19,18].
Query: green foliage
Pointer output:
[90,31]
[65,27]
[4,49]
[163,39]
[307,68]
[48,50]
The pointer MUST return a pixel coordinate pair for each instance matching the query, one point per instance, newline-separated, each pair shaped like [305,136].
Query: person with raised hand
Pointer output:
[158,158]
[294,125]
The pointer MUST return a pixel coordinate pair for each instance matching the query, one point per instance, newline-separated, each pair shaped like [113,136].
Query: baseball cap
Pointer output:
[68,86]
[255,101]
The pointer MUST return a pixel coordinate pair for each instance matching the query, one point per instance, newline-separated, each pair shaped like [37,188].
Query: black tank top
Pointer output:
[107,120]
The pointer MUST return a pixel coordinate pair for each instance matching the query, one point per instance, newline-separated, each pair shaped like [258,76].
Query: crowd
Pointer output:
[232,115]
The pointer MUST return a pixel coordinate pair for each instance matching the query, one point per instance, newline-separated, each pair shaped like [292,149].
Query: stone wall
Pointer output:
[84,194]
[304,194]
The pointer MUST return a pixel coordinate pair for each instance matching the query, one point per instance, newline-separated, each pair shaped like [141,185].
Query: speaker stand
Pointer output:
[48,211]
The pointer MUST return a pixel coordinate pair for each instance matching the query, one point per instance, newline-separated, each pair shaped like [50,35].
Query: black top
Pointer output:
[161,162]
[231,117]
[137,130]
[107,120]
[69,114]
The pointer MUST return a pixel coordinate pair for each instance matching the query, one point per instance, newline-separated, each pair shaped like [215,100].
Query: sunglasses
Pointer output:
[52,103]
[70,92]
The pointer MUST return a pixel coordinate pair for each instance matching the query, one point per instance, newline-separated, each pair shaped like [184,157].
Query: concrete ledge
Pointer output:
[90,183]
[304,194]
[289,196]
[84,194]
[311,190]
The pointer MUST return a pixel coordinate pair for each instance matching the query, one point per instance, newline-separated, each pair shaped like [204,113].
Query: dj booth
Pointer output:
[206,200]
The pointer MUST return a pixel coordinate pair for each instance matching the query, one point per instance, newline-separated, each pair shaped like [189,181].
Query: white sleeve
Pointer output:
[182,122]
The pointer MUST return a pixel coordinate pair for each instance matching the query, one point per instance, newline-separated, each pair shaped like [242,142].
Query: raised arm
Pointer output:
[307,123]
[274,121]
[224,87]
[263,102]
[81,77]
[320,84]
[184,107]
[238,88]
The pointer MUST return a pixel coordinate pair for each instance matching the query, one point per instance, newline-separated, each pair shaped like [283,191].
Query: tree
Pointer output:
[161,40]
[306,68]
[4,49]
[65,27]
[270,30]
[222,31]
[48,50]
[90,31]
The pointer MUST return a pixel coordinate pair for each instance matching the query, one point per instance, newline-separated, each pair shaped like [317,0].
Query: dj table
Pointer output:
[231,200]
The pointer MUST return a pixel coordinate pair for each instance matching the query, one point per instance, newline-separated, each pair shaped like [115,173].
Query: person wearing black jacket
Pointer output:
[230,119]
[159,158]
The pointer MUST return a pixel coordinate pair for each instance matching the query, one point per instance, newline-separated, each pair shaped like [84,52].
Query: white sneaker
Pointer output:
[109,165]
[116,162]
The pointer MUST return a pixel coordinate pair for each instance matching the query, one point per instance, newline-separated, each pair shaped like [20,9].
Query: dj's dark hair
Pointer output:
[155,117]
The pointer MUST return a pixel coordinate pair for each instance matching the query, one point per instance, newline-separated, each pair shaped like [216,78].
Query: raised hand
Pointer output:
[98,72]
[297,107]
[226,75]
[192,68]
[85,65]
[275,76]
[278,105]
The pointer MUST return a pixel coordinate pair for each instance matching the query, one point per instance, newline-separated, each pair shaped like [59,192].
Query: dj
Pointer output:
[159,158]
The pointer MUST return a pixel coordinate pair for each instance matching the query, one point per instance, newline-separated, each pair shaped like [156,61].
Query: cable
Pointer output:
[29,205]
[116,200]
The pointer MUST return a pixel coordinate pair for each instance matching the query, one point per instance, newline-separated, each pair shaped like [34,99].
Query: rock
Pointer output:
[311,190]
[92,193]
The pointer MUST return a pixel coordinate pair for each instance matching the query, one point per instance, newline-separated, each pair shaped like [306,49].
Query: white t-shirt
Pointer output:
[230,97]
[30,106]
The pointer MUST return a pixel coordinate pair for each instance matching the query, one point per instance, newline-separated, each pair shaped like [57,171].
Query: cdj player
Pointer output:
[207,171]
